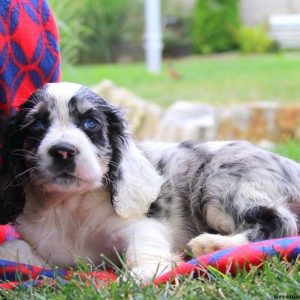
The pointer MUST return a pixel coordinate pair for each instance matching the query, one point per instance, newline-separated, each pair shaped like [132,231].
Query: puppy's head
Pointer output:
[66,139]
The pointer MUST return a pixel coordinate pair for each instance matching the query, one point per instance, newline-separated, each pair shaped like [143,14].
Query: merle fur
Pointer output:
[205,178]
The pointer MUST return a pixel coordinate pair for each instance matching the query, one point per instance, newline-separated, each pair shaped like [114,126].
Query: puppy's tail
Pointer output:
[265,222]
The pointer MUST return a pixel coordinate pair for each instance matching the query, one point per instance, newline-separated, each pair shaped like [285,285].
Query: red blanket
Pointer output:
[29,50]
[225,261]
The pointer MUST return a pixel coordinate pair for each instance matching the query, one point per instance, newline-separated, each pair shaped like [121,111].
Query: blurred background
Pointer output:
[230,69]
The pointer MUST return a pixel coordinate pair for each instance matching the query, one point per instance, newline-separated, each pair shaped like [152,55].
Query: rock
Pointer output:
[253,122]
[287,121]
[187,121]
[232,122]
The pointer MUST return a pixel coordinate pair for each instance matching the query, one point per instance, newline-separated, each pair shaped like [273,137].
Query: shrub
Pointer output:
[214,25]
[71,27]
[111,24]
[98,31]
[254,40]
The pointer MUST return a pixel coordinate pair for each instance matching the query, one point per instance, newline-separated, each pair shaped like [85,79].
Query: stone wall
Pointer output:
[254,122]
[185,120]
[259,121]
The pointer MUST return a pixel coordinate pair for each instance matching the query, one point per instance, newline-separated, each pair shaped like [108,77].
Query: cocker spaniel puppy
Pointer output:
[76,185]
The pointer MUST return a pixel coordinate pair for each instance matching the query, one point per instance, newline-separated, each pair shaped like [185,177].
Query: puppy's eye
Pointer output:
[90,123]
[38,125]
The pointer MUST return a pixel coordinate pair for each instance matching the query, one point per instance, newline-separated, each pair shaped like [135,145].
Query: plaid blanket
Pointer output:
[230,260]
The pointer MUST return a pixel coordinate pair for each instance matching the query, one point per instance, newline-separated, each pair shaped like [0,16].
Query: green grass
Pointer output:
[274,278]
[218,79]
[290,149]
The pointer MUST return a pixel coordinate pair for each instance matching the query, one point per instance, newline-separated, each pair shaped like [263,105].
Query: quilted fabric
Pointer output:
[29,51]
[13,274]
[237,258]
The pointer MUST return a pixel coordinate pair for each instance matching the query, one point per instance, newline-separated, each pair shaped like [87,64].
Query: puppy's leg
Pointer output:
[207,243]
[259,223]
[149,252]
[20,251]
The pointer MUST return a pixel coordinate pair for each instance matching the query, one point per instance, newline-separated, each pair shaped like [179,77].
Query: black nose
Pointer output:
[63,151]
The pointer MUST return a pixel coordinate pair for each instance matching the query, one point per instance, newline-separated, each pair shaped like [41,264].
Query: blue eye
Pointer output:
[38,125]
[90,123]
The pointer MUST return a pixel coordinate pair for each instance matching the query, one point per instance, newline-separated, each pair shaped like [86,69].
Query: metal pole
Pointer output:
[153,35]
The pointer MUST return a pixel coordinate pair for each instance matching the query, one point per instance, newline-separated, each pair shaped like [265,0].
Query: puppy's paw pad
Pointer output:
[206,243]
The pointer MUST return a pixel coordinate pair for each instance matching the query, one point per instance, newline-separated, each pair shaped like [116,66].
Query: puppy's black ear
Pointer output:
[135,183]
[12,198]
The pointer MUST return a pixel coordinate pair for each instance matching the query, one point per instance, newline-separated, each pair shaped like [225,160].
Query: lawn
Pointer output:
[272,279]
[217,79]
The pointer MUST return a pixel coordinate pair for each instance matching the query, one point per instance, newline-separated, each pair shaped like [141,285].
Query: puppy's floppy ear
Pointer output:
[135,183]
[138,184]
[12,198]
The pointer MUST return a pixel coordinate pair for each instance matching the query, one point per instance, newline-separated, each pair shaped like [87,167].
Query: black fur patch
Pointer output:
[228,165]
[264,223]
[231,144]
[17,137]
[161,165]
[118,142]
[84,105]
[155,210]
[168,199]
[187,145]
[12,198]
[158,211]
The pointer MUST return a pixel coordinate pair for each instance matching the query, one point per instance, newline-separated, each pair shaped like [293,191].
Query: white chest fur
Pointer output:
[84,226]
